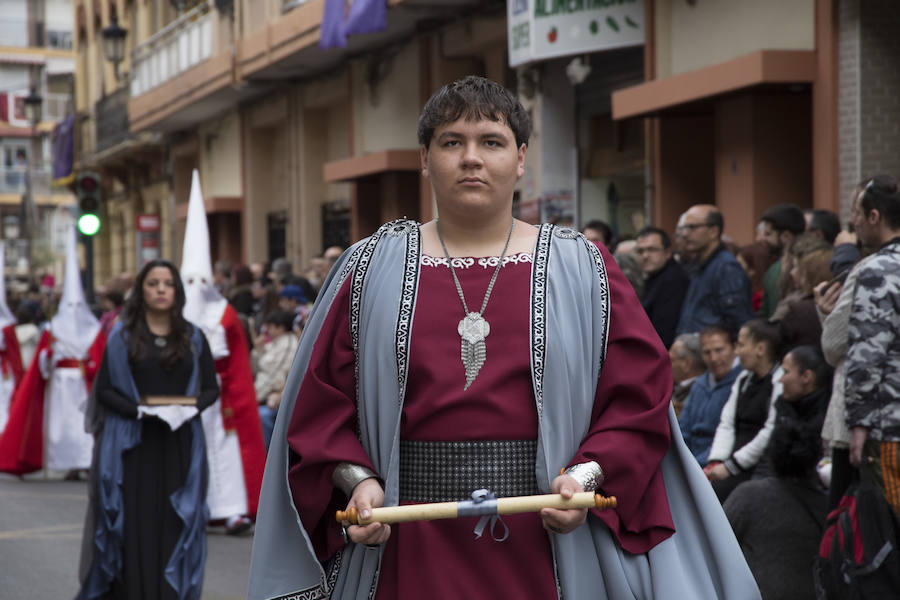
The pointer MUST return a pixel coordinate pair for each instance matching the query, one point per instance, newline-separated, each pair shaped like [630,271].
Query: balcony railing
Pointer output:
[15,32]
[184,43]
[112,119]
[12,179]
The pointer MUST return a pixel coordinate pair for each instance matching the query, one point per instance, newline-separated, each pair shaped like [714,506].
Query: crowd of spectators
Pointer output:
[273,303]
[785,359]
[785,355]
[271,300]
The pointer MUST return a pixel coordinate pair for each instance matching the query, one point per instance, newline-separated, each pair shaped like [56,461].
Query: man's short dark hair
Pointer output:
[473,98]
[602,227]
[720,329]
[663,236]
[881,194]
[785,217]
[827,222]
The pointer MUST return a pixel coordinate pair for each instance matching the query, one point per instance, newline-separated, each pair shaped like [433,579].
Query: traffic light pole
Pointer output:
[88,242]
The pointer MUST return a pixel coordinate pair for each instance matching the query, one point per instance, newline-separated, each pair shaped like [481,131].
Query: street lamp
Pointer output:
[114,43]
[33,107]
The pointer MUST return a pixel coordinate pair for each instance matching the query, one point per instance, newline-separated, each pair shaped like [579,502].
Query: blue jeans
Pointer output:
[267,418]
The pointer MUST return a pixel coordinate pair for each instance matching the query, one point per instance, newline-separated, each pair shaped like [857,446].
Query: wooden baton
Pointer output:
[451,510]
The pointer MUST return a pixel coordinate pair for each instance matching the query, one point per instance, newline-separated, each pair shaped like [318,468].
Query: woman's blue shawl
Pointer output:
[184,571]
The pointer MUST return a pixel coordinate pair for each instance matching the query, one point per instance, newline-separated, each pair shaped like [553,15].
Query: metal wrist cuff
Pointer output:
[347,476]
[588,474]
[733,467]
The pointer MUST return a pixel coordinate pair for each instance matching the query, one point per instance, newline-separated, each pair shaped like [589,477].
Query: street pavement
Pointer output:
[41,522]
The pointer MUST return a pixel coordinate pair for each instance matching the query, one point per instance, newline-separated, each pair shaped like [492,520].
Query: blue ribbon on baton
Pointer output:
[483,504]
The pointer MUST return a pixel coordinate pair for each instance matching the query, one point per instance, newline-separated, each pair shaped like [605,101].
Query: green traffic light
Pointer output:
[88,224]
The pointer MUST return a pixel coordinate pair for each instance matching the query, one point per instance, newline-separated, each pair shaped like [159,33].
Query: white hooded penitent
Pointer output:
[74,326]
[204,305]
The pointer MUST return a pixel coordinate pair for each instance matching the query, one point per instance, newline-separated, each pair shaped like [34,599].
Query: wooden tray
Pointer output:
[169,401]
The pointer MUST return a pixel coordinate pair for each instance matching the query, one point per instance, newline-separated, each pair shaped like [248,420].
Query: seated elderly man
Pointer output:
[687,365]
[700,416]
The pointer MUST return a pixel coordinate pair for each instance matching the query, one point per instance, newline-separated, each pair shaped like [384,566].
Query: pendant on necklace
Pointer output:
[473,328]
[160,341]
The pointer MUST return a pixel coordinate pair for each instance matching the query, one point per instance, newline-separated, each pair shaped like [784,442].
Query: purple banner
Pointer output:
[63,149]
[341,18]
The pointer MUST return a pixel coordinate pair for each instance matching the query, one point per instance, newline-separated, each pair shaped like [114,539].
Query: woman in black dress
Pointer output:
[145,536]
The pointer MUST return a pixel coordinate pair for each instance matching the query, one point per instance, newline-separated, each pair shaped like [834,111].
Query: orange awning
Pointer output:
[765,67]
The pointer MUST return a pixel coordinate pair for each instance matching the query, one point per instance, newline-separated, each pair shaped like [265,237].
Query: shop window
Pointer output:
[59,39]
[276,227]
[336,224]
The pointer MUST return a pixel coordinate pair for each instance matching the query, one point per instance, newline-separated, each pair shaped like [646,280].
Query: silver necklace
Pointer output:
[159,341]
[473,327]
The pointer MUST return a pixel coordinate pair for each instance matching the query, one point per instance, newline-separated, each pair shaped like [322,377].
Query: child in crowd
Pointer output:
[273,366]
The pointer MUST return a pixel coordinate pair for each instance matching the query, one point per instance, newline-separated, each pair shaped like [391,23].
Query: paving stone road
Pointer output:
[41,523]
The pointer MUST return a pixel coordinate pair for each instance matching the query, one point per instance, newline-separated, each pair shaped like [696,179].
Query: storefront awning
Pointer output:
[355,167]
[765,67]
[213,204]
[21,58]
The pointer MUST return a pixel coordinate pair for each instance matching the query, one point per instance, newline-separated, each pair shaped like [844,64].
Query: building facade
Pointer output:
[748,105]
[641,108]
[298,147]
[36,60]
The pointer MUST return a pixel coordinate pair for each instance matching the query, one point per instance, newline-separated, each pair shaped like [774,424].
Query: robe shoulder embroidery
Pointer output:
[600,267]
[566,233]
[539,313]
[401,227]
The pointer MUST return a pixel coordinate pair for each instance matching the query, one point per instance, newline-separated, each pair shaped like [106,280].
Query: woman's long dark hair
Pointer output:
[134,320]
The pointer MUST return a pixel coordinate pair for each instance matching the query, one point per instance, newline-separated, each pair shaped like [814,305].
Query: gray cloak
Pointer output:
[570,313]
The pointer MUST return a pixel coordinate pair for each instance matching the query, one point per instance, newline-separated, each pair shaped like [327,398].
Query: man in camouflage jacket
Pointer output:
[873,354]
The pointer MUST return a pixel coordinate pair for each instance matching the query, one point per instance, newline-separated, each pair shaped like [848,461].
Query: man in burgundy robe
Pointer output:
[575,379]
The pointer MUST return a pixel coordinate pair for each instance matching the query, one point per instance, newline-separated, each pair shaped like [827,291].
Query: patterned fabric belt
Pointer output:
[450,471]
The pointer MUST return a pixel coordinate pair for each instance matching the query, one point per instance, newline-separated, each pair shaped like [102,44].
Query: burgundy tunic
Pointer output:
[444,555]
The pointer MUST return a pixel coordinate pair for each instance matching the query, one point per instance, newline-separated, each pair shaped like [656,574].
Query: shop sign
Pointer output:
[147,238]
[542,29]
[147,223]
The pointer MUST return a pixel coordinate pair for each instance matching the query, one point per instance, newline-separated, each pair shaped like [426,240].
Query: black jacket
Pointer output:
[664,293]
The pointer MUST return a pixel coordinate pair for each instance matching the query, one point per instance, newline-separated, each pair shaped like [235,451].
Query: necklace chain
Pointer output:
[490,287]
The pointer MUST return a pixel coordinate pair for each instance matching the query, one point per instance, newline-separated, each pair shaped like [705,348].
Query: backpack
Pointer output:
[859,556]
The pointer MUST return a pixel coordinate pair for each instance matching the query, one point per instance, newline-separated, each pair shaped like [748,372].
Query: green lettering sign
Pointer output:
[549,8]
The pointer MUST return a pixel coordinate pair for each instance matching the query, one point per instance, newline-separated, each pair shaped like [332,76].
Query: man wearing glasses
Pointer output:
[719,292]
[666,282]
